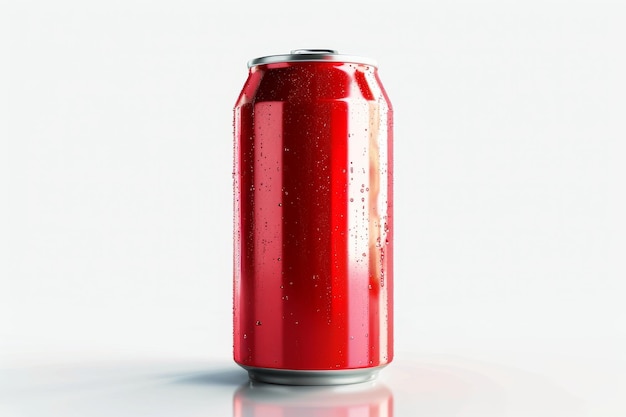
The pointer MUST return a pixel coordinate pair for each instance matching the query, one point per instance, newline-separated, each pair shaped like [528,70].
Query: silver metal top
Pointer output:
[300,55]
[317,377]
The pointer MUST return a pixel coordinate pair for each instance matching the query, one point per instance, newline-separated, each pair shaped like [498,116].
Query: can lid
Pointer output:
[301,55]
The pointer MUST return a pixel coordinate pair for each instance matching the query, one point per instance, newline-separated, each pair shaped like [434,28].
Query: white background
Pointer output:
[116,203]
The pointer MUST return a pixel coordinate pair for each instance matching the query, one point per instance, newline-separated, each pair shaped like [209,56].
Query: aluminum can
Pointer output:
[313,224]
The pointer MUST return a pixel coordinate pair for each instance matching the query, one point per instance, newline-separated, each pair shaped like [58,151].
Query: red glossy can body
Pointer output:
[313,224]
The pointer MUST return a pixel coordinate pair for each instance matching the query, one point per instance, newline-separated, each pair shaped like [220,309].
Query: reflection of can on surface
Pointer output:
[264,400]
[313,267]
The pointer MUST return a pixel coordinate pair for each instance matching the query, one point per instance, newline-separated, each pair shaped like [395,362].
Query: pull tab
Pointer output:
[314,51]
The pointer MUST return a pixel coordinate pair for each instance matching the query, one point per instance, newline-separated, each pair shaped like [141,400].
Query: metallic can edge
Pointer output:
[311,55]
[312,377]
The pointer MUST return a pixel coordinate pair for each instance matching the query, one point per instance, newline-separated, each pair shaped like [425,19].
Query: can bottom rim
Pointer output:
[313,377]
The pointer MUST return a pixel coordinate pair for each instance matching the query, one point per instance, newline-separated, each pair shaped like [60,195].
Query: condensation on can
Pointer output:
[313,223]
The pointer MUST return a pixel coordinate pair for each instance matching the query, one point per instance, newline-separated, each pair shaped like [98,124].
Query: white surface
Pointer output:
[115,269]
[424,385]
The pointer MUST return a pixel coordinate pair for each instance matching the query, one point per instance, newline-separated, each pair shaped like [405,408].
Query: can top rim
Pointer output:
[310,55]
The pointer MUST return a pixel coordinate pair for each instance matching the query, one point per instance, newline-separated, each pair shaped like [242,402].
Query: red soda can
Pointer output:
[313,225]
